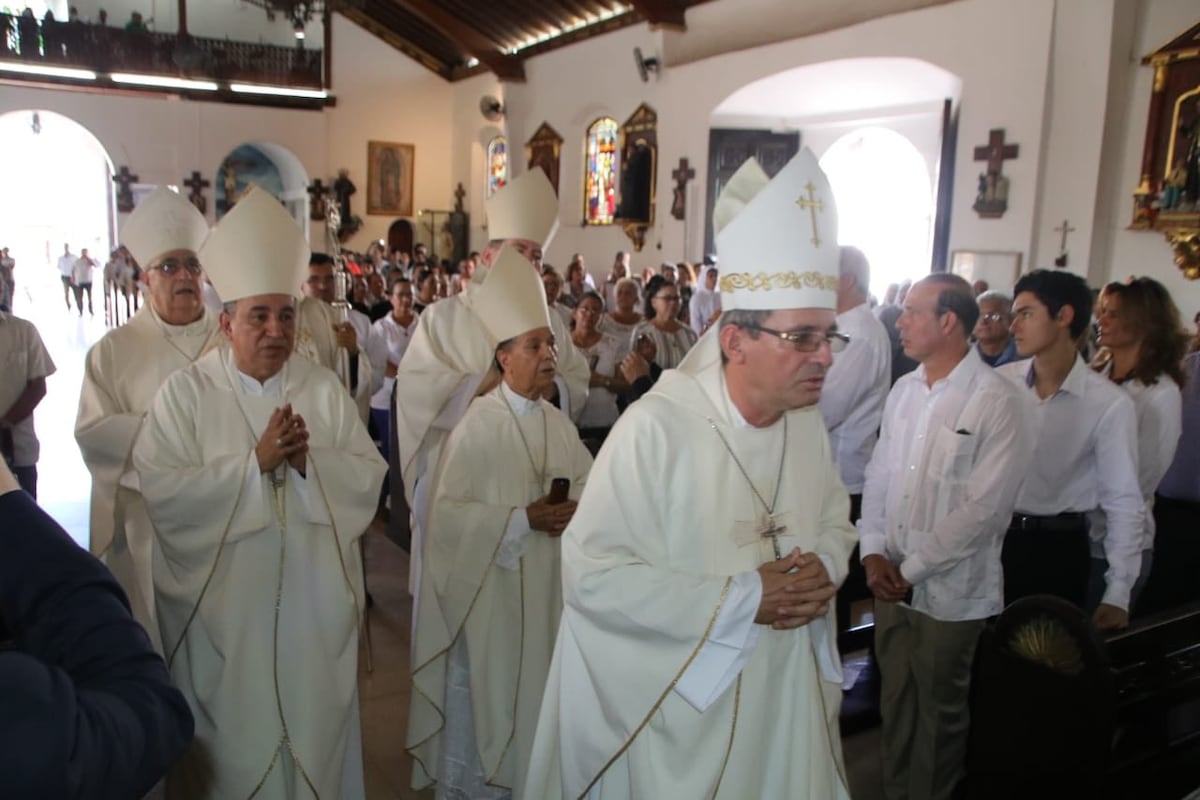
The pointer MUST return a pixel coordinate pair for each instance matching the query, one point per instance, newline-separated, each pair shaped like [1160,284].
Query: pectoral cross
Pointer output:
[813,205]
[768,528]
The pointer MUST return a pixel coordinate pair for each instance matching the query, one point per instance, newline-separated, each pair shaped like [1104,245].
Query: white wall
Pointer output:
[1002,74]
[384,96]
[1139,252]
[381,94]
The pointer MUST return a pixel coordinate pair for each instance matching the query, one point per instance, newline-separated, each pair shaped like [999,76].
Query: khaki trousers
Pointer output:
[925,665]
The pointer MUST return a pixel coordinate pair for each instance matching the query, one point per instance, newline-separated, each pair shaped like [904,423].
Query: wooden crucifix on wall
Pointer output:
[682,174]
[198,184]
[125,180]
[991,200]
[1065,229]
[318,196]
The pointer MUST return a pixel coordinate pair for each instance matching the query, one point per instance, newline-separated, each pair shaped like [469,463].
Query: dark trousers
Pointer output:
[1047,561]
[27,478]
[80,288]
[854,588]
[66,282]
[1175,575]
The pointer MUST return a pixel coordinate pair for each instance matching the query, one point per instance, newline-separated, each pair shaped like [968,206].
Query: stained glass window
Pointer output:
[497,160]
[600,178]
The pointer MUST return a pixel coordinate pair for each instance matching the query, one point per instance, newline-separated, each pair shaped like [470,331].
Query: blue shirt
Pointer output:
[1007,355]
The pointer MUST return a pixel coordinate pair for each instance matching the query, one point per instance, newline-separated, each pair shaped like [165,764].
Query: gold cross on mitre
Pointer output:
[813,205]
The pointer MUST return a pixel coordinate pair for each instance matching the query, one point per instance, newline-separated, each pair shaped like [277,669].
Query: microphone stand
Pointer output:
[341,304]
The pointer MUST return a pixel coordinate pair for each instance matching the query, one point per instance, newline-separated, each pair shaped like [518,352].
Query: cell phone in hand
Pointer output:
[560,489]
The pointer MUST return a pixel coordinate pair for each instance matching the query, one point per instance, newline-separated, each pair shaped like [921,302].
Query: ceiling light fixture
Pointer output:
[162,81]
[49,72]
[278,91]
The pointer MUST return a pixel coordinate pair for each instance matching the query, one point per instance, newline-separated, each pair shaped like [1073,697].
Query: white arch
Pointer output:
[292,175]
[884,202]
[85,217]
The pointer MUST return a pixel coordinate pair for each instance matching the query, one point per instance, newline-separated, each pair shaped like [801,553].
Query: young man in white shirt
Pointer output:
[1086,458]
[26,366]
[81,274]
[938,493]
[66,268]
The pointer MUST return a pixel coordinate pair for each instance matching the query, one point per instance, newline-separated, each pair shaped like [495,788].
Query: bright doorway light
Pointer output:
[885,205]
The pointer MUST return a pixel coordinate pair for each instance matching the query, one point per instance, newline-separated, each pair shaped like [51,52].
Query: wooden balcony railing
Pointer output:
[108,50]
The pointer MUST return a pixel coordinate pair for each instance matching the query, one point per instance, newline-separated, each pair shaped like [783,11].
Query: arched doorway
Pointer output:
[269,166]
[58,190]
[400,236]
[827,106]
[885,202]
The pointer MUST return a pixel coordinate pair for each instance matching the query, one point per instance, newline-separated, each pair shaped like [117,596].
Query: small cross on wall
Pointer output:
[682,174]
[198,184]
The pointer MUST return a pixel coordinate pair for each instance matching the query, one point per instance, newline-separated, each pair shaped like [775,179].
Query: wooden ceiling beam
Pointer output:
[507,67]
[661,13]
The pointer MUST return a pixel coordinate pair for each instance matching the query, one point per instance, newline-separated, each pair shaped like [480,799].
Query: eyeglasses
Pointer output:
[170,266]
[809,341]
[993,317]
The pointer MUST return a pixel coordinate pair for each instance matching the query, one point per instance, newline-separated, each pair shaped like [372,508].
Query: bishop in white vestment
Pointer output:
[697,653]
[491,582]
[260,478]
[450,356]
[123,372]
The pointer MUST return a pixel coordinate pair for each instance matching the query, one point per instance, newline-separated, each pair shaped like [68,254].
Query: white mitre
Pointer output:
[256,249]
[525,208]
[162,222]
[777,238]
[512,301]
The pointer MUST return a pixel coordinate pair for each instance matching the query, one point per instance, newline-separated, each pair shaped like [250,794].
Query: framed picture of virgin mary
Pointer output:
[390,179]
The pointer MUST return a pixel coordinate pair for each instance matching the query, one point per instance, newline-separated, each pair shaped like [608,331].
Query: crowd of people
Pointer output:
[637,508]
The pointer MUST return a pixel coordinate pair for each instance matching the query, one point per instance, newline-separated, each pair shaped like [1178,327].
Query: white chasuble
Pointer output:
[317,341]
[258,578]
[655,563]
[445,363]
[122,373]
[492,587]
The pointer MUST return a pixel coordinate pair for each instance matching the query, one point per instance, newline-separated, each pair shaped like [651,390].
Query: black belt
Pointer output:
[1068,521]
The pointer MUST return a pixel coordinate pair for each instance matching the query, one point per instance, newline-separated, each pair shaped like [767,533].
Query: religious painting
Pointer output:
[999,268]
[600,175]
[1167,197]
[497,164]
[390,179]
[543,151]
[244,167]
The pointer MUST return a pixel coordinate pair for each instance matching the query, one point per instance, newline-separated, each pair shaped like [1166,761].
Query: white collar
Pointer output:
[736,416]
[271,387]
[521,406]
[197,327]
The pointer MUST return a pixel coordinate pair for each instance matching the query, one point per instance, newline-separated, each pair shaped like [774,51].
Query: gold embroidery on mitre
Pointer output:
[761,281]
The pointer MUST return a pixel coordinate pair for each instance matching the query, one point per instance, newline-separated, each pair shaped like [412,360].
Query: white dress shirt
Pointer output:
[1159,410]
[941,485]
[856,387]
[1086,458]
[387,342]
[66,265]
[23,358]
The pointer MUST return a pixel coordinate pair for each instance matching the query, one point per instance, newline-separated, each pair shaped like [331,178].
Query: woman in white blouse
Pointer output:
[621,321]
[603,352]
[672,339]
[1142,344]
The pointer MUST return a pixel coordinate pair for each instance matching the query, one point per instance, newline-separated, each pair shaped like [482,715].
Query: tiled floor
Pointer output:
[64,487]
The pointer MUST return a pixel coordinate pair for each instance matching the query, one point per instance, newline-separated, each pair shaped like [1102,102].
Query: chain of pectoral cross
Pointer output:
[768,528]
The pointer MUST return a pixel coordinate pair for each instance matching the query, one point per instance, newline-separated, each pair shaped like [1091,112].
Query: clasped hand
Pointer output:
[796,589]
[551,519]
[285,439]
[884,579]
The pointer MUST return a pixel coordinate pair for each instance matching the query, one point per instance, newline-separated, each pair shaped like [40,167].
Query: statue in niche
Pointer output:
[343,187]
